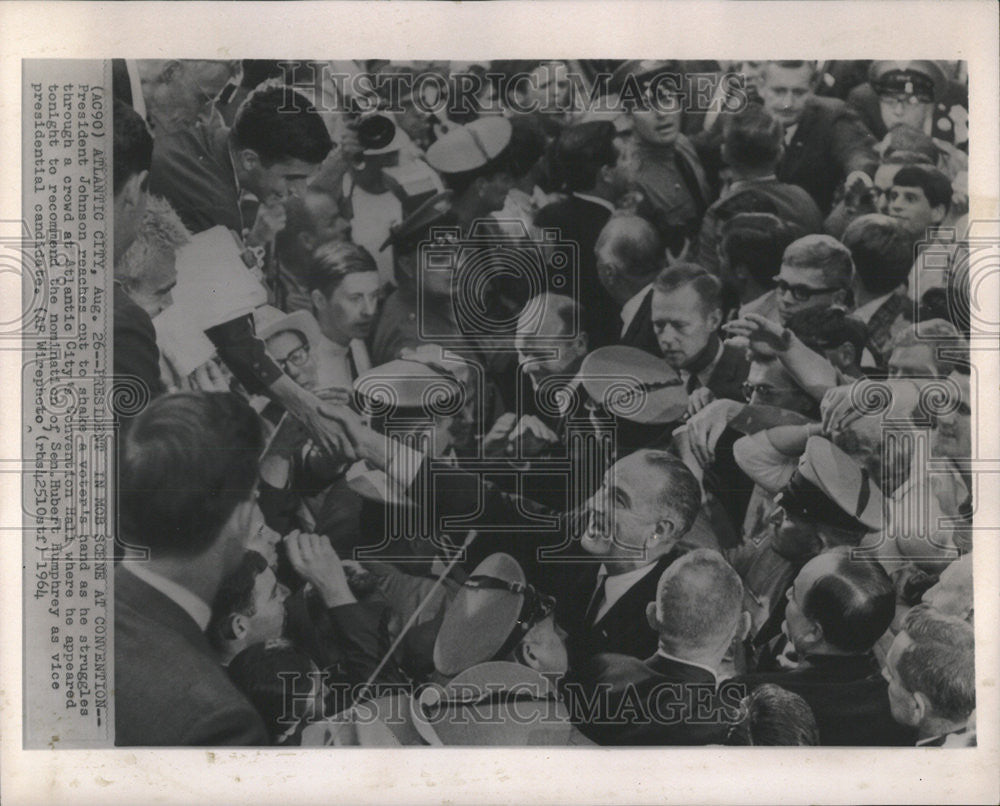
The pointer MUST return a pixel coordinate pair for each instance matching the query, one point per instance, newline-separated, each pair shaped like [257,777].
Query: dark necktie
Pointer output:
[693,382]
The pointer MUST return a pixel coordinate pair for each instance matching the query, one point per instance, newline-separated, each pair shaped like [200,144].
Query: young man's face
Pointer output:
[153,291]
[771,385]
[268,620]
[546,641]
[882,186]
[660,124]
[800,289]
[794,538]
[535,360]
[785,91]
[349,312]
[275,183]
[682,325]
[911,206]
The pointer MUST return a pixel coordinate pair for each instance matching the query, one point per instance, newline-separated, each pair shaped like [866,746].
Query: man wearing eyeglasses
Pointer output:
[815,272]
[181,92]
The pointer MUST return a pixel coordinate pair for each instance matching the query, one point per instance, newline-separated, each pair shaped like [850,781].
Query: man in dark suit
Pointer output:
[629,256]
[587,157]
[188,506]
[602,565]
[837,610]
[686,311]
[673,697]
[824,139]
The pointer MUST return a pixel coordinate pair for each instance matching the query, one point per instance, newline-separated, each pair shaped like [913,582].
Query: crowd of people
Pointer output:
[582,412]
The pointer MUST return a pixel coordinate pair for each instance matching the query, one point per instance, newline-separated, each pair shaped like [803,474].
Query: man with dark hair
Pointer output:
[629,256]
[686,312]
[698,615]
[882,251]
[750,251]
[773,717]
[931,671]
[586,159]
[752,147]
[833,334]
[276,144]
[824,140]
[837,609]
[920,198]
[187,496]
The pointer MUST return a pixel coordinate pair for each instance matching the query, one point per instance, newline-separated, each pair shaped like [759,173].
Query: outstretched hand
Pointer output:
[766,337]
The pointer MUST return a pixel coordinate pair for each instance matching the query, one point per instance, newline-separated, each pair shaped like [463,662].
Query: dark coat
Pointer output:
[136,353]
[640,333]
[169,686]
[726,380]
[848,696]
[580,221]
[831,141]
[546,545]
[621,700]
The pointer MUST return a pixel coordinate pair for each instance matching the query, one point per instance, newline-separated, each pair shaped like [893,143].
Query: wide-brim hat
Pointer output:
[828,486]
[269,321]
[634,385]
[480,620]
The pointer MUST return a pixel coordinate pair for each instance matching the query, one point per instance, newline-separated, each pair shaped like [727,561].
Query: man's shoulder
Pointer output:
[169,688]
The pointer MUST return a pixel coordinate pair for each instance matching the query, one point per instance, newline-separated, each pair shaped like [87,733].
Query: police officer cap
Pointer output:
[643,72]
[634,385]
[469,147]
[409,388]
[416,227]
[829,487]
[489,615]
[923,79]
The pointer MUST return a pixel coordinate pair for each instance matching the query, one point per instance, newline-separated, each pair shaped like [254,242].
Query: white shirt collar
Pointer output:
[668,656]
[790,133]
[596,200]
[618,585]
[178,594]
[631,307]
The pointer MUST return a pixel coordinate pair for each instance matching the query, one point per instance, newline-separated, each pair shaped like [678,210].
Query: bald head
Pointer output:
[550,339]
[699,604]
[629,256]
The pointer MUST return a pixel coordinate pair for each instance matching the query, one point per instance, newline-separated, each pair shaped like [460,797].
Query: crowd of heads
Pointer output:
[820,365]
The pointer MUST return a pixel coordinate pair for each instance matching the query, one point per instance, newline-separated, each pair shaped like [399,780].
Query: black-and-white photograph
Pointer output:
[547,402]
